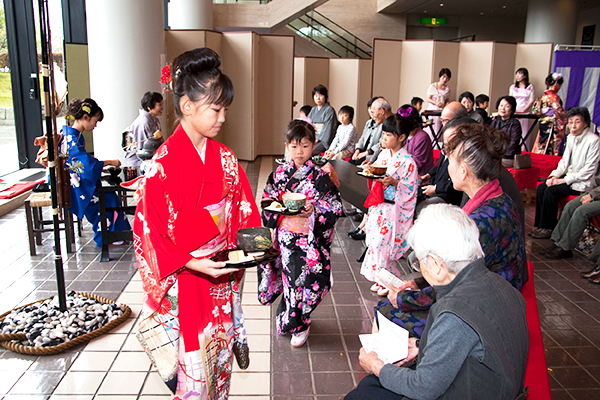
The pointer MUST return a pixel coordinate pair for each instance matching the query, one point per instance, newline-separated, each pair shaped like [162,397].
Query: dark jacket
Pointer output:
[443,184]
[486,119]
[496,312]
[513,127]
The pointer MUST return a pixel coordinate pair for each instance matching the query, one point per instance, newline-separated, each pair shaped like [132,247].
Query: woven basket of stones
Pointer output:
[40,328]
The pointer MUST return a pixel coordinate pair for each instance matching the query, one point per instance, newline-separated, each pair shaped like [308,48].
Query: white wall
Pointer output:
[125,42]
[551,21]
[589,17]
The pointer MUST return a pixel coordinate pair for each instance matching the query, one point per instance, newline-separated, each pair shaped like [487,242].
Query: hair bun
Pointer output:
[197,60]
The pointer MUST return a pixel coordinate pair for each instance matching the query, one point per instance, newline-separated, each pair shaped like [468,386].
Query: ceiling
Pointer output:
[495,8]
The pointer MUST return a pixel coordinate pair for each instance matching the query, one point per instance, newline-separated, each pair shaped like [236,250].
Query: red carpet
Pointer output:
[536,374]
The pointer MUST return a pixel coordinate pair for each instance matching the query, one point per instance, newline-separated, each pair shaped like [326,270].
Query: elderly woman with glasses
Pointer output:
[474,154]
[475,342]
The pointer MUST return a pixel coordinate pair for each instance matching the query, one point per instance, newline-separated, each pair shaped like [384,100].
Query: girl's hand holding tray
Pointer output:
[248,260]
[276,207]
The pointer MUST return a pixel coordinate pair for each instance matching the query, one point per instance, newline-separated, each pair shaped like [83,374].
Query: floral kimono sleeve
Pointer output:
[327,204]
[151,226]
[407,177]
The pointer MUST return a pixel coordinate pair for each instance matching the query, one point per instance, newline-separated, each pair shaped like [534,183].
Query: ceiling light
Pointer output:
[425,11]
[503,6]
[480,13]
[441,4]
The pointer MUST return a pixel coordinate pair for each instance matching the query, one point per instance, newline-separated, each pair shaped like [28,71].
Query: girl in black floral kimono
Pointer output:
[303,271]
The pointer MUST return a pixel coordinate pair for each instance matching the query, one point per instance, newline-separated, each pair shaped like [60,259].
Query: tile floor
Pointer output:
[114,366]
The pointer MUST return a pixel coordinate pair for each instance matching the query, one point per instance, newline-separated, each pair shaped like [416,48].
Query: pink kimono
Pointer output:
[388,223]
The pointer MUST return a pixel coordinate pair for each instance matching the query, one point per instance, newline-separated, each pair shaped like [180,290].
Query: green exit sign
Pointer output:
[433,21]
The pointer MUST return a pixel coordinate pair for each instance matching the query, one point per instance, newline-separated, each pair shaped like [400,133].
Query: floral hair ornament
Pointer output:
[86,107]
[556,76]
[405,112]
[165,77]
[69,117]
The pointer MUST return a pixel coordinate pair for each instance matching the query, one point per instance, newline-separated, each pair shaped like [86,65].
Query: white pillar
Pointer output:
[551,21]
[125,43]
[191,14]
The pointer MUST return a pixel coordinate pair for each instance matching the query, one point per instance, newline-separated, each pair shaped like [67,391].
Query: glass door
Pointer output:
[9,154]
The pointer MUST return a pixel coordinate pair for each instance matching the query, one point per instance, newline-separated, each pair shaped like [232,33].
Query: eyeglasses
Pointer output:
[417,266]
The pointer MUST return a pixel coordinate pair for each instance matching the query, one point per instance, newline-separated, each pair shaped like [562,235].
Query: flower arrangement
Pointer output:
[165,78]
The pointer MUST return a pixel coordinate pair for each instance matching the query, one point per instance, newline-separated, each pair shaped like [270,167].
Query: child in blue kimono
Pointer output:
[85,170]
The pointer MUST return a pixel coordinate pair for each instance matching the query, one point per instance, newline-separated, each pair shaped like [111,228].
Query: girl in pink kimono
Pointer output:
[391,214]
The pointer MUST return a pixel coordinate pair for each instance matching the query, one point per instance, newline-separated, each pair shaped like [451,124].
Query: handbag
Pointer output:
[241,351]
[522,161]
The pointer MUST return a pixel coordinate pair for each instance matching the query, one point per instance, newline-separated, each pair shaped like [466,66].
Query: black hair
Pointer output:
[77,108]
[414,119]
[415,100]
[445,71]
[525,73]
[482,98]
[468,95]
[196,74]
[305,109]
[347,110]
[510,100]
[150,99]
[477,145]
[298,129]
[550,81]
[372,100]
[398,126]
[321,90]
[583,112]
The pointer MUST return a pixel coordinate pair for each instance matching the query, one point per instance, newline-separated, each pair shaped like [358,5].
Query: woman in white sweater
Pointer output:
[576,172]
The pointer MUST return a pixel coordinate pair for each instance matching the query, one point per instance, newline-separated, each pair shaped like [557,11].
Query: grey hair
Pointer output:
[448,232]
[382,103]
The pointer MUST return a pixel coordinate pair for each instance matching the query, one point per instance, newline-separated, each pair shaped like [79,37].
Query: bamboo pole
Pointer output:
[50,120]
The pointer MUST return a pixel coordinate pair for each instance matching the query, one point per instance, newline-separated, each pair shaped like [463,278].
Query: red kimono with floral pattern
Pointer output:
[173,218]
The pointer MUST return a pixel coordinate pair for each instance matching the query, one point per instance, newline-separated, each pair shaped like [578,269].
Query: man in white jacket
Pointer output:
[577,172]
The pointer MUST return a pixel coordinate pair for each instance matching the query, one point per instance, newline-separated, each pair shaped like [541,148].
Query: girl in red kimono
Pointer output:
[551,137]
[192,201]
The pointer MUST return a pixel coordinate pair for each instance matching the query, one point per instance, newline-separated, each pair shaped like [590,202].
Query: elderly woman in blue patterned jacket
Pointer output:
[475,343]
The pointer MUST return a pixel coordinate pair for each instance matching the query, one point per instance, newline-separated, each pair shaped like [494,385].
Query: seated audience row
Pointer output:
[475,342]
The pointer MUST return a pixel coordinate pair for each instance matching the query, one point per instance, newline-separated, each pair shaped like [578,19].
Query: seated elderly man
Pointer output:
[436,185]
[576,173]
[475,342]
[572,223]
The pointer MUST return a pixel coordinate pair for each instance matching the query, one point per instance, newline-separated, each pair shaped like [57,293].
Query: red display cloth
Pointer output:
[526,178]
[545,162]
[536,372]
[436,156]
[563,202]
[18,187]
